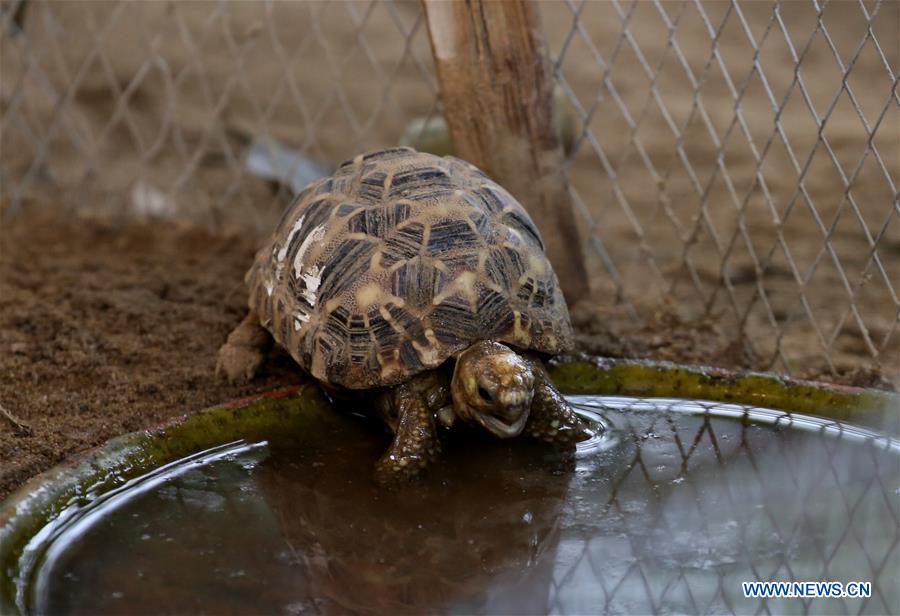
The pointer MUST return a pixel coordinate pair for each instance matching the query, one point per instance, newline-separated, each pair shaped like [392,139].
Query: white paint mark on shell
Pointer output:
[287,243]
[312,279]
[314,236]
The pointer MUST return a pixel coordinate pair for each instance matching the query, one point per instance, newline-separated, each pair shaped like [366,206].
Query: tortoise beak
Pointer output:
[506,421]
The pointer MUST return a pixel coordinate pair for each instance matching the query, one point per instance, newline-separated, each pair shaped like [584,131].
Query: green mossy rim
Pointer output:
[653,379]
[124,458]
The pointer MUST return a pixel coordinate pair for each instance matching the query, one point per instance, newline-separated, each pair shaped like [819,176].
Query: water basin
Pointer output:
[668,512]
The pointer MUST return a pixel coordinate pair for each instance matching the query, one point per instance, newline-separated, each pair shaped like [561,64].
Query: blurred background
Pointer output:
[733,162]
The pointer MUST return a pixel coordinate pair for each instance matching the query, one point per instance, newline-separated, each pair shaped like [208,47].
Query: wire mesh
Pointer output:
[751,150]
[737,158]
[698,504]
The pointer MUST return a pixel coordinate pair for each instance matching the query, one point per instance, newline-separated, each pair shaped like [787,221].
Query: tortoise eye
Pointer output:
[485,394]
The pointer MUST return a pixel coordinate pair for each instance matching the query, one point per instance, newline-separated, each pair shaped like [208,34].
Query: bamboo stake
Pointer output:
[497,91]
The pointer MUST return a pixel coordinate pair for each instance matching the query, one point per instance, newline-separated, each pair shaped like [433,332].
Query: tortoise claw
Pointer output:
[392,470]
[552,419]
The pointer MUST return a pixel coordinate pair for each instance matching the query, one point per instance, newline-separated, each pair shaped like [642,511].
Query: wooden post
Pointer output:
[497,91]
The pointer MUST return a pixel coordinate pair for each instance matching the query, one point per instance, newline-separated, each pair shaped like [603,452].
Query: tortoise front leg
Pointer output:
[552,419]
[244,351]
[416,442]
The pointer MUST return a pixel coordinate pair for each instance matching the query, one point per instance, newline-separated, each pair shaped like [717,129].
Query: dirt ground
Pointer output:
[107,331]
[110,329]
[109,322]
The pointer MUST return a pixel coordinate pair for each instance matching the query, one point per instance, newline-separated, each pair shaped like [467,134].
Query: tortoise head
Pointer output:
[492,387]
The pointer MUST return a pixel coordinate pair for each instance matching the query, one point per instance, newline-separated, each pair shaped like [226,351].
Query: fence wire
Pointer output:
[698,505]
[739,159]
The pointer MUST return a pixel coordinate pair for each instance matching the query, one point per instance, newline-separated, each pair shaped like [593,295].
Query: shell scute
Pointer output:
[515,220]
[372,185]
[417,181]
[461,261]
[348,262]
[387,154]
[417,282]
[492,200]
[346,209]
[398,261]
[409,356]
[379,222]
[448,235]
[404,244]
[454,315]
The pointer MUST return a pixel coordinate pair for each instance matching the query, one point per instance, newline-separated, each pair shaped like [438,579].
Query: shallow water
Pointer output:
[668,512]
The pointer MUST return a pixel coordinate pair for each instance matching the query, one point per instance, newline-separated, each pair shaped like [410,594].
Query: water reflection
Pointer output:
[695,505]
[482,531]
[668,513]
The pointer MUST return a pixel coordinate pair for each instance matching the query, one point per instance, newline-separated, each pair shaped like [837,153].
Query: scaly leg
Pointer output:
[244,351]
[416,443]
[552,419]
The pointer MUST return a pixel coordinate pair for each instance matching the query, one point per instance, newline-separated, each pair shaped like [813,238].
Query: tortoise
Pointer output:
[416,282]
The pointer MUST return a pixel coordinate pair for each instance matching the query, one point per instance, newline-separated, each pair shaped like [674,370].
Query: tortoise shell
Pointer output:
[396,262]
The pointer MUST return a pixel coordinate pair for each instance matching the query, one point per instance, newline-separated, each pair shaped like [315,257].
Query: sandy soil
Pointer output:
[111,326]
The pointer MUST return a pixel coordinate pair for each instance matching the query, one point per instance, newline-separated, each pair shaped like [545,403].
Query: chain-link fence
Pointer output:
[739,159]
